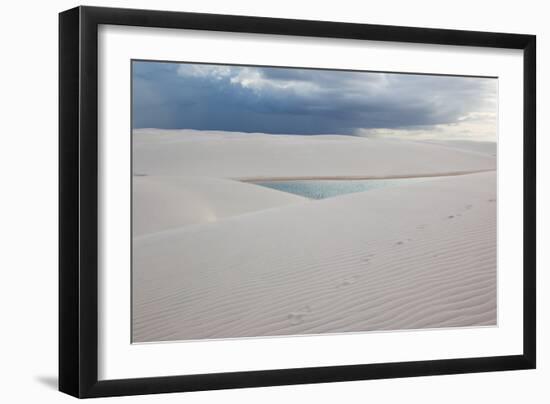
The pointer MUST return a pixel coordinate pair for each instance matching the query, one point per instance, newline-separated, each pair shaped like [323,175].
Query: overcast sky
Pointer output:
[305,101]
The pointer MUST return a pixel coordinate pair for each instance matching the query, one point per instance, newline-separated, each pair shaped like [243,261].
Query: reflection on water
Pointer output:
[320,189]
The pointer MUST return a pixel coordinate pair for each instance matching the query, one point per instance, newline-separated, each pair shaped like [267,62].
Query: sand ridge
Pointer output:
[160,203]
[421,256]
[243,155]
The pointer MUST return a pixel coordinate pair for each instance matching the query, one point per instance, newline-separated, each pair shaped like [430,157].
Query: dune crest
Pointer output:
[418,256]
[244,155]
[162,203]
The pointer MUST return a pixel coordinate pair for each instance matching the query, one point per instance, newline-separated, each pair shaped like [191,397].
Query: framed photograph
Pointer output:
[251,201]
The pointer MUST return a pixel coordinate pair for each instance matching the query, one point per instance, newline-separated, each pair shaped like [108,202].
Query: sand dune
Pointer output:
[487,148]
[162,203]
[244,156]
[417,256]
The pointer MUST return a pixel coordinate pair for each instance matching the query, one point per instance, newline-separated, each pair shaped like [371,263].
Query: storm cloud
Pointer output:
[309,101]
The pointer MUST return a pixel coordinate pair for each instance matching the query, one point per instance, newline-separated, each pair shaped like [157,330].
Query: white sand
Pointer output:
[418,256]
[162,203]
[398,258]
[241,156]
[487,148]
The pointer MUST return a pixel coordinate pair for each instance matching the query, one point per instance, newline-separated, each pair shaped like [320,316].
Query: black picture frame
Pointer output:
[78,201]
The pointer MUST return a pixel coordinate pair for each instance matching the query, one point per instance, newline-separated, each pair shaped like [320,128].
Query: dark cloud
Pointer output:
[300,101]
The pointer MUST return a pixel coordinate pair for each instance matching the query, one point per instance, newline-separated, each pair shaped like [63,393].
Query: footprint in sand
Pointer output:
[297,317]
[348,281]
[401,242]
[368,257]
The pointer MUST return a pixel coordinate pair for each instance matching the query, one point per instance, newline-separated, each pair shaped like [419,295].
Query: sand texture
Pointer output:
[242,156]
[218,258]
[162,203]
